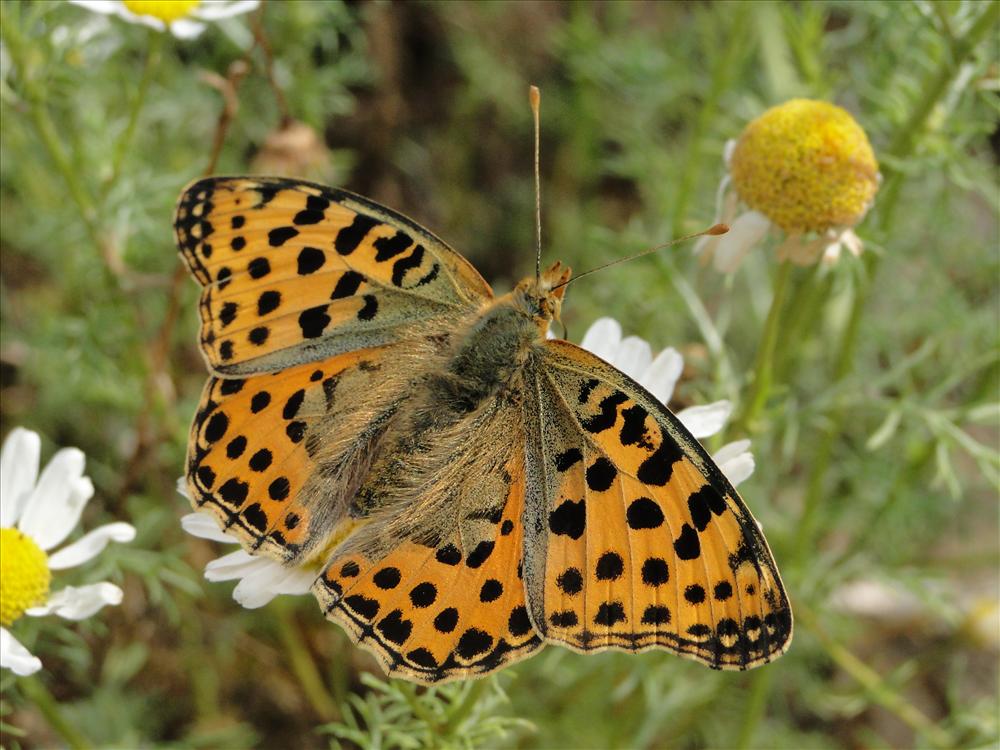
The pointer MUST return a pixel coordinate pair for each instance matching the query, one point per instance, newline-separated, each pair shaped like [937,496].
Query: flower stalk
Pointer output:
[48,706]
[149,63]
[763,371]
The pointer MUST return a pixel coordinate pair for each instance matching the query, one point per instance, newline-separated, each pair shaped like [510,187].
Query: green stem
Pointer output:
[465,706]
[760,688]
[303,666]
[417,707]
[764,366]
[149,64]
[873,683]
[902,145]
[805,304]
[37,693]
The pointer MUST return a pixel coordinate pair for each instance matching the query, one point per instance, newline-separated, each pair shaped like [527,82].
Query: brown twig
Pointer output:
[228,87]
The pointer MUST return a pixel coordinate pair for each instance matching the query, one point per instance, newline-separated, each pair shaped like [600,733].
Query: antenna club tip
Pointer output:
[534,96]
[717,229]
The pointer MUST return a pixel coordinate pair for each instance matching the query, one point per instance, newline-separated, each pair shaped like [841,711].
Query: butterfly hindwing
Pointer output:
[294,272]
[634,538]
[272,456]
[445,607]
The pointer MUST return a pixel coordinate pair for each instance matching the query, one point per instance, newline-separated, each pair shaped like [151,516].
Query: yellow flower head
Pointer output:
[24,573]
[166,10]
[807,166]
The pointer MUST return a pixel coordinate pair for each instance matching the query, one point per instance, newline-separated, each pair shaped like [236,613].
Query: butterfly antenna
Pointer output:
[715,229]
[535,97]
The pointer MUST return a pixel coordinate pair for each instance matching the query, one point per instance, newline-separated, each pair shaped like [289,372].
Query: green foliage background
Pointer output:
[876,451]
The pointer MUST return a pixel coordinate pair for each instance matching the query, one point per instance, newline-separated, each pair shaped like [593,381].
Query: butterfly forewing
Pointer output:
[295,272]
[634,538]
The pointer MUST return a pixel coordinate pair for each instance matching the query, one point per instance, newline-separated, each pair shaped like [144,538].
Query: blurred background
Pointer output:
[876,453]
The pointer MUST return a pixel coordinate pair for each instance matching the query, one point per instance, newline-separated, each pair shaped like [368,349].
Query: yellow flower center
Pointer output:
[24,575]
[807,166]
[166,10]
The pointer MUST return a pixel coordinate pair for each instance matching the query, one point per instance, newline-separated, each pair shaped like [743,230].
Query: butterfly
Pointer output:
[468,489]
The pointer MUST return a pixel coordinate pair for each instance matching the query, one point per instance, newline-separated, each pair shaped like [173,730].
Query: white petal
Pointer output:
[58,500]
[184,28]
[79,602]
[299,582]
[746,231]
[107,7]
[234,565]
[602,338]
[204,526]
[117,8]
[831,253]
[16,657]
[662,374]
[727,151]
[90,545]
[735,461]
[633,356]
[18,473]
[852,242]
[213,10]
[267,582]
[731,450]
[182,487]
[705,420]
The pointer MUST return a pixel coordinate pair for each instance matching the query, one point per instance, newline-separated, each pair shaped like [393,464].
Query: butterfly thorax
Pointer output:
[497,343]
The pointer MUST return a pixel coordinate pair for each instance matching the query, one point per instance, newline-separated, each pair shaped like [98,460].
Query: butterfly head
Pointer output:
[541,298]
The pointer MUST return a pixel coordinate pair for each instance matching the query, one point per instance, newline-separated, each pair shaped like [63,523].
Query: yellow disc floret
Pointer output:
[166,10]
[807,166]
[24,575]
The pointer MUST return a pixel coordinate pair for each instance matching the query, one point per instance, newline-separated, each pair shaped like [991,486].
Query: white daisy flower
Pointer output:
[659,375]
[37,513]
[260,578]
[803,170]
[183,18]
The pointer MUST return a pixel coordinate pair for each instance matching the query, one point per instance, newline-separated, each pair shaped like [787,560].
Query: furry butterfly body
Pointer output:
[467,489]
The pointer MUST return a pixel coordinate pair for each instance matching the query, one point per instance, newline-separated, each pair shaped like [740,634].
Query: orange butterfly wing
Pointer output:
[255,448]
[634,538]
[295,272]
[440,608]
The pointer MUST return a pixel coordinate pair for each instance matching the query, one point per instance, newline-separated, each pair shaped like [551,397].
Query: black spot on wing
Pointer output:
[601,474]
[314,321]
[347,284]
[280,235]
[370,308]
[389,247]
[687,545]
[569,519]
[567,458]
[351,236]
[401,266]
[633,430]
[658,466]
[644,513]
[310,260]
[608,415]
